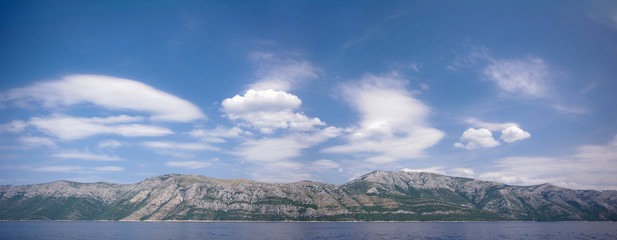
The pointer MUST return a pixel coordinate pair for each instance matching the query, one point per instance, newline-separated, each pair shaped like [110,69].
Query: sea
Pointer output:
[94,230]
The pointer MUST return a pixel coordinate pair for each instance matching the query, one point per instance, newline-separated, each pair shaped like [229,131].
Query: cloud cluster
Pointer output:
[273,155]
[115,96]
[482,137]
[589,167]
[393,123]
[269,128]
[109,93]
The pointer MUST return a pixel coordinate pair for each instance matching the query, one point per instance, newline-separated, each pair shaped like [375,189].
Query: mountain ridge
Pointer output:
[375,196]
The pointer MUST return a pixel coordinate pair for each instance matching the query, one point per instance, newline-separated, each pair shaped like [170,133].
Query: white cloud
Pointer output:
[513,134]
[218,134]
[108,92]
[529,77]
[436,169]
[283,148]
[281,172]
[109,169]
[74,154]
[570,109]
[462,172]
[603,12]
[72,169]
[483,137]
[178,149]
[72,128]
[188,164]
[109,144]
[32,142]
[476,138]
[459,172]
[324,164]
[393,123]
[280,74]
[590,167]
[14,126]
[490,126]
[63,169]
[179,146]
[268,110]
[290,171]
[260,101]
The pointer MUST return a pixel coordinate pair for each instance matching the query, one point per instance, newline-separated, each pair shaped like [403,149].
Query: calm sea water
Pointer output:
[307,230]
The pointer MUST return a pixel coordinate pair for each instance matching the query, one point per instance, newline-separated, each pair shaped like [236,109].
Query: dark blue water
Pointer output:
[307,230]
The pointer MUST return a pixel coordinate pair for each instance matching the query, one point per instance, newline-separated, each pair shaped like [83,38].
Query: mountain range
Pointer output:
[376,196]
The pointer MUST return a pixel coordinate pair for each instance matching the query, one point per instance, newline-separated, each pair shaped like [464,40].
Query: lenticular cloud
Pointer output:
[108,92]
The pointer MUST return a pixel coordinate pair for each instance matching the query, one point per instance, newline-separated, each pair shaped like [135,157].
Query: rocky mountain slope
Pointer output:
[379,195]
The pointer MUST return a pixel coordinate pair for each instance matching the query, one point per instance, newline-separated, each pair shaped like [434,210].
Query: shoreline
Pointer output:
[242,221]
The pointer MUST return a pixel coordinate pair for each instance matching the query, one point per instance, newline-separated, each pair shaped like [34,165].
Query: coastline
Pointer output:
[242,221]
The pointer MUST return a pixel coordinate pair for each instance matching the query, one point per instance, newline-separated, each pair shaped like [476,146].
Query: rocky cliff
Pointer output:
[379,195]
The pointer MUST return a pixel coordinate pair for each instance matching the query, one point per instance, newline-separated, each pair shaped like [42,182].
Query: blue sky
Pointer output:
[520,92]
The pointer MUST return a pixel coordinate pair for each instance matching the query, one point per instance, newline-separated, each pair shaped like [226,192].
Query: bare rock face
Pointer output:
[379,195]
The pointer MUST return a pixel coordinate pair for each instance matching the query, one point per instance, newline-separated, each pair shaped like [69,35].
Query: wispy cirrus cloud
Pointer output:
[109,169]
[178,149]
[272,149]
[72,128]
[291,171]
[81,155]
[218,134]
[33,142]
[521,78]
[527,77]
[74,169]
[393,126]
[279,73]
[459,172]
[189,164]
[109,144]
[14,126]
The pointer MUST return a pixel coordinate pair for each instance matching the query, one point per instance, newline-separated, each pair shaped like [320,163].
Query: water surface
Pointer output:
[306,230]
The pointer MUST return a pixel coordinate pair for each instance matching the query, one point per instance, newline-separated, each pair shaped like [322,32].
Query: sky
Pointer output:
[519,92]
